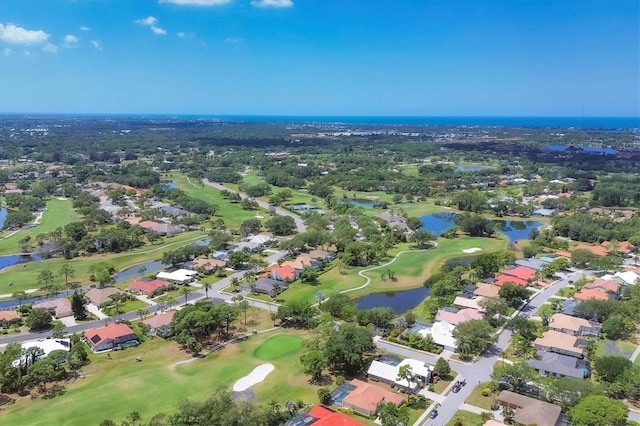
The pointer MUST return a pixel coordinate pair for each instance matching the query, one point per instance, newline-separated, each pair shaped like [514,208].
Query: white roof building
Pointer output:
[389,373]
[624,278]
[180,276]
[47,346]
[442,334]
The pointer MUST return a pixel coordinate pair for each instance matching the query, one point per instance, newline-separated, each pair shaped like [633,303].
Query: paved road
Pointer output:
[214,291]
[282,212]
[481,370]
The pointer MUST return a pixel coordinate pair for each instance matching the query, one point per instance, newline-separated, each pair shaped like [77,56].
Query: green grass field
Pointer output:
[25,276]
[278,346]
[465,418]
[232,213]
[59,213]
[112,388]
[411,269]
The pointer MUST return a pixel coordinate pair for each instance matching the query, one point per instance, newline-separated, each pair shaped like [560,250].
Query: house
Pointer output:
[285,273]
[528,411]
[486,290]
[388,373]
[161,228]
[180,276]
[473,303]
[532,263]
[269,286]
[321,255]
[502,279]
[248,246]
[595,250]
[561,343]
[46,345]
[59,308]
[221,255]
[7,316]
[442,334]
[543,212]
[394,221]
[207,265]
[564,253]
[148,287]
[259,239]
[626,277]
[557,365]
[623,246]
[365,397]
[588,294]
[320,415]
[159,322]
[101,296]
[455,316]
[110,337]
[568,306]
[605,286]
[573,326]
[301,262]
[521,272]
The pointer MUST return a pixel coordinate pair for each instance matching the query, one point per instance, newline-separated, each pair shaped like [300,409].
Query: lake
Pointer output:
[470,168]
[513,229]
[3,216]
[14,259]
[591,149]
[399,301]
[133,271]
[358,202]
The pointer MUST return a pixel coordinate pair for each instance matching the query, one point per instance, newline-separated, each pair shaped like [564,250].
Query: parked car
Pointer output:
[433,414]
[456,389]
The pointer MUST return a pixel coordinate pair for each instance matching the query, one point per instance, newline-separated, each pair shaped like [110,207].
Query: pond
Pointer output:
[359,202]
[170,185]
[450,264]
[14,259]
[399,301]
[591,149]
[3,216]
[470,168]
[513,229]
[134,271]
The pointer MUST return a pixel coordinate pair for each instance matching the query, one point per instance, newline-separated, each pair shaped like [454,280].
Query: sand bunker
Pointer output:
[256,376]
[472,250]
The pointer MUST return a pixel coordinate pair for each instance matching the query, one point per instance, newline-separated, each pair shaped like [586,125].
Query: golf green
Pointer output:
[278,346]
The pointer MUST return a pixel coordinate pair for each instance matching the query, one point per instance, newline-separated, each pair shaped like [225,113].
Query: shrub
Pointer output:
[339,380]
[486,392]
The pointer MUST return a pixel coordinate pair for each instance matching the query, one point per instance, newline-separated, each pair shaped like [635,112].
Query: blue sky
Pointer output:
[321,57]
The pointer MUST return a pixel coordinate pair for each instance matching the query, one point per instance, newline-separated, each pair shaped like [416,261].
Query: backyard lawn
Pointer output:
[115,387]
[477,399]
[59,213]
[465,418]
[25,275]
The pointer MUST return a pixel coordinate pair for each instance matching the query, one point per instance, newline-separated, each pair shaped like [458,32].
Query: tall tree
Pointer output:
[67,271]
[78,306]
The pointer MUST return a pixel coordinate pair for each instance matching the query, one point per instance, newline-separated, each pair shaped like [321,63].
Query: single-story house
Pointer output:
[270,286]
[533,263]
[574,326]
[59,308]
[101,296]
[623,246]
[595,250]
[148,287]
[521,272]
[557,365]
[588,294]
[285,273]
[46,345]
[606,286]
[259,239]
[502,279]
[248,246]
[543,212]
[207,265]
[365,397]
[109,337]
[561,343]
[320,415]
[568,306]
[528,411]
[388,373]
[159,321]
[470,303]
[221,255]
[486,290]
[458,316]
[161,228]
[7,316]
[626,277]
[321,255]
[442,334]
[179,276]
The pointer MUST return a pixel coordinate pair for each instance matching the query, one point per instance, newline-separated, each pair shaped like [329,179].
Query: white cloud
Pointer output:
[234,40]
[70,41]
[6,51]
[97,44]
[83,28]
[196,2]
[18,35]
[181,34]
[50,48]
[272,3]
[151,22]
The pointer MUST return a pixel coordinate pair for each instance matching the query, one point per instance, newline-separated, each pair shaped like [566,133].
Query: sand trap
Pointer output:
[471,250]
[256,376]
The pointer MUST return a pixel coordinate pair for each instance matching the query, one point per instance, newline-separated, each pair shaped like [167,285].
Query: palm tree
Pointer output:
[142,313]
[185,291]
[142,270]
[206,286]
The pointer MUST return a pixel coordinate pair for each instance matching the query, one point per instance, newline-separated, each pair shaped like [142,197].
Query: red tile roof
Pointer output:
[563,253]
[603,285]
[367,396]
[159,320]
[597,250]
[623,246]
[327,417]
[148,286]
[286,272]
[503,279]
[112,331]
[587,294]
[521,272]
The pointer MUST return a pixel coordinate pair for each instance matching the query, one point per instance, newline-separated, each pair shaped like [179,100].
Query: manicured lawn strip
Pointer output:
[411,269]
[59,213]
[232,213]
[545,310]
[115,387]
[476,398]
[25,276]
[465,418]
[278,346]
[128,306]
[252,178]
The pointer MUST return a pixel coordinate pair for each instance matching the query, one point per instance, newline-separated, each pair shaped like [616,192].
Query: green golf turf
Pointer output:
[278,346]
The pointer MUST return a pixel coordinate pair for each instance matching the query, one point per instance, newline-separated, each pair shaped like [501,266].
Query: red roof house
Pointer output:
[605,286]
[148,287]
[285,273]
[588,294]
[502,279]
[623,246]
[365,397]
[521,272]
[159,320]
[327,417]
[109,337]
[596,250]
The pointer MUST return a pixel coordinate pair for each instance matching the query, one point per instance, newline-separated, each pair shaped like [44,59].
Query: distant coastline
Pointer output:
[608,123]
